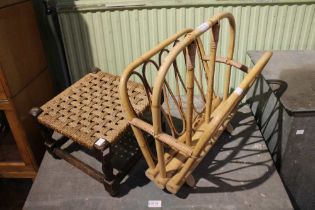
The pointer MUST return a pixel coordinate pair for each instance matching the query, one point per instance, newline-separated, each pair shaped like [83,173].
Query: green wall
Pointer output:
[111,34]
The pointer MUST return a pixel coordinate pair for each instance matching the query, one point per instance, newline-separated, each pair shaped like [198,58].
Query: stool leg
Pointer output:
[111,182]
[45,133]
[35,112]
[107,167]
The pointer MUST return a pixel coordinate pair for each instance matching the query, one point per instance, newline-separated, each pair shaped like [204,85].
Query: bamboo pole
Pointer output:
[202,55]
[190,63]
[218,116]
[124,98]
[229,57]
[175,144]
[213,54]
[175,158]
[179,48]
[159,81]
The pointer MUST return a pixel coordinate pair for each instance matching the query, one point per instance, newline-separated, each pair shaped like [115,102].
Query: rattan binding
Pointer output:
[90,109]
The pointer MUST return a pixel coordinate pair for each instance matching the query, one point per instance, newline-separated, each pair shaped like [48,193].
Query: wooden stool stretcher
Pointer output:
[178,152]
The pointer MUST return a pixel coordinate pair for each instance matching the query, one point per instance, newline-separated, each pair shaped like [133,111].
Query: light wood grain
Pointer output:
[24,83]
[21,52]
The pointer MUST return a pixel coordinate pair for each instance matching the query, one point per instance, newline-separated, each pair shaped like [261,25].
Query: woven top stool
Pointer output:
[90,113]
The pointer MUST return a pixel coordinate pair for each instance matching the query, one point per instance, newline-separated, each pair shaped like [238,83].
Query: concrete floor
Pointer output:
[297,171]
[283,102]
[298,168]
[238,173]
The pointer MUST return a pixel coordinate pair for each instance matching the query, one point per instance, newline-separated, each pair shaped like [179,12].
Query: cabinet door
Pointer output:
[21,53]
[2,93]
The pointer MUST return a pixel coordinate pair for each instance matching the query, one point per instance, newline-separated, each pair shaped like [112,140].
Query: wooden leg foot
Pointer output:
[112,187]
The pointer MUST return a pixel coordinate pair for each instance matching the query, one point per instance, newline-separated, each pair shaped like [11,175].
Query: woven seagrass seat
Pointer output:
[90,113]
[90,109]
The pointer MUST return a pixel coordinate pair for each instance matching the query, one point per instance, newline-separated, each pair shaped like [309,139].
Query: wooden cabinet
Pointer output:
[2,93]
[24,83]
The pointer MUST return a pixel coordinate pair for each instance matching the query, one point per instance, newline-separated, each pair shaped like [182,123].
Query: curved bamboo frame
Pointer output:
[175,166]
[124,93]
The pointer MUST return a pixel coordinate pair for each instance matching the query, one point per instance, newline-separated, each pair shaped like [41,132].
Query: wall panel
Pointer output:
[112,38]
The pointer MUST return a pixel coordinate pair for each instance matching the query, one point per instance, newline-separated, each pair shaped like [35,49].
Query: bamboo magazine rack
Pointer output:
[204,114]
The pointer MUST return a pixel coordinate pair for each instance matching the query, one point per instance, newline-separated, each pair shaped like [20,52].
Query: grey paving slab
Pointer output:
[283,103]
[298,166]
[237,174]
[294,71]
[272,118]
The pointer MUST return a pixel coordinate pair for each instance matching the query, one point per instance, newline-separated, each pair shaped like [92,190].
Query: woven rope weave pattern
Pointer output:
[90,109]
